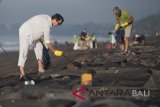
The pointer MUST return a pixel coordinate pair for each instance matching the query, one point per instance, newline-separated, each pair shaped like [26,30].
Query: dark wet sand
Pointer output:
[138,71]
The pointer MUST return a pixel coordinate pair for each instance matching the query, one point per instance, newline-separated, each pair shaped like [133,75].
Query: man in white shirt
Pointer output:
[30,32]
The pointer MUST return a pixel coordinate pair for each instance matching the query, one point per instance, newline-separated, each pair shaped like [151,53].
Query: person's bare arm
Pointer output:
[55,51]
[117,24]
[51,47]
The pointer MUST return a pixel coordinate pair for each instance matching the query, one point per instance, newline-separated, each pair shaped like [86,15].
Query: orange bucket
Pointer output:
[86,79]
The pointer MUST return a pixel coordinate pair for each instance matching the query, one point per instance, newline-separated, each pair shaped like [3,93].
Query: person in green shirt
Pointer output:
[124,19]
[94,40]
[76,41]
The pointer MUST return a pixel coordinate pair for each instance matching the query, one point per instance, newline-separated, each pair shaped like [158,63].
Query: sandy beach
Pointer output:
[140,71]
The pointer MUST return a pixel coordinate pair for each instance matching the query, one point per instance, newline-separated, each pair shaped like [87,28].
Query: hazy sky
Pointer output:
[74,11]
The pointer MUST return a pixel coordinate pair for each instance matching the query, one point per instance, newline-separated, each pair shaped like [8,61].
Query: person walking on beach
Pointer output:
[31,32]
[125,20]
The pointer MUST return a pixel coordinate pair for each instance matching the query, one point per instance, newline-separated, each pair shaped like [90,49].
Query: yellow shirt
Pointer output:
[125,17]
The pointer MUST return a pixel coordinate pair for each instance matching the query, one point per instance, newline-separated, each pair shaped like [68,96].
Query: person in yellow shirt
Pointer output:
[124,19]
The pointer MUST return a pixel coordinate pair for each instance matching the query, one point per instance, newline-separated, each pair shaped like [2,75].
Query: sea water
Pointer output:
[11,42]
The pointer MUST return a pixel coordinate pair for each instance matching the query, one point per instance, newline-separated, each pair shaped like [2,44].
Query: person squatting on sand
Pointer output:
[125,20]
[31,32]
[85,39]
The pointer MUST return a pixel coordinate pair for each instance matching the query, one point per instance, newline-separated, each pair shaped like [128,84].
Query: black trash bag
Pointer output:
[46,61]
[119,35]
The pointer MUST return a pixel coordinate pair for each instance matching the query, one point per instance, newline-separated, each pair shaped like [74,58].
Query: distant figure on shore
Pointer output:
[134,39]
[76,42]
[138,39]
[85,39]
[124,20]
[157,33]
[31,32]
[111,42]
[93,41]
[3,48]
[83,34]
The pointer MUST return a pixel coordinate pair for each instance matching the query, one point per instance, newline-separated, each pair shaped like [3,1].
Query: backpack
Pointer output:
[119,35]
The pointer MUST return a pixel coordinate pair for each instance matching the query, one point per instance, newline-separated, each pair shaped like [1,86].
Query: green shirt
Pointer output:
[125,17]
[109,38]
[75,39]
[93,38]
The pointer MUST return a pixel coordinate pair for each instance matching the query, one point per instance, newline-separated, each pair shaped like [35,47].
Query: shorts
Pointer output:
[128,30]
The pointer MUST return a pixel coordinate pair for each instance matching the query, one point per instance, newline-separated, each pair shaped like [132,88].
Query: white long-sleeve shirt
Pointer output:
[38,27]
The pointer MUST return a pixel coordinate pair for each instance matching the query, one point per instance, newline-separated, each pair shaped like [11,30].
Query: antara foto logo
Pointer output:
[79,93]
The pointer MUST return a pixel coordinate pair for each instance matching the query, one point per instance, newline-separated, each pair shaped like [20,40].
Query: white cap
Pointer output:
[137,35]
